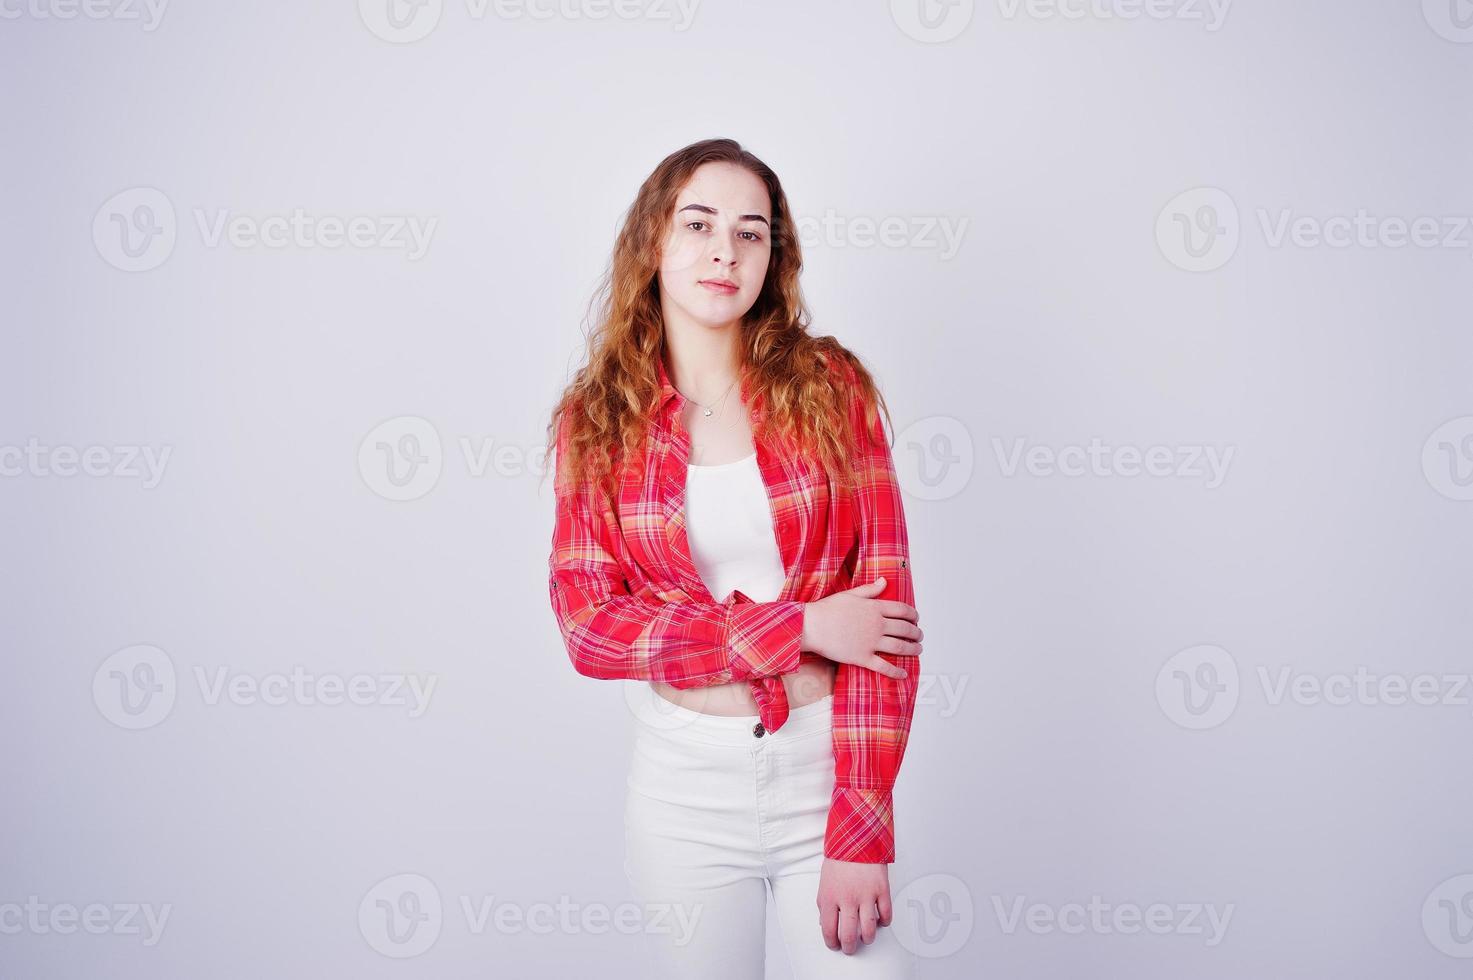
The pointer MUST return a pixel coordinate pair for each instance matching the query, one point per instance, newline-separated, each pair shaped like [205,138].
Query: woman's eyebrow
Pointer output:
[707,210]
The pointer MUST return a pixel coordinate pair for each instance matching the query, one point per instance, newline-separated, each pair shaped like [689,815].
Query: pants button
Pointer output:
[758,730]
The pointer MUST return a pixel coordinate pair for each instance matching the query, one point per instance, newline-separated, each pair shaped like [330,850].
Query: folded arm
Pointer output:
[872,712]
[611,634]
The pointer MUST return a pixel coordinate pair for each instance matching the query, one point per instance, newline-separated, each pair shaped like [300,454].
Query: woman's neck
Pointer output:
[702,362]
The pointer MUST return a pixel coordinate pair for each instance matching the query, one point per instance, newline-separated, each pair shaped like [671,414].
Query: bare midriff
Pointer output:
[812,681]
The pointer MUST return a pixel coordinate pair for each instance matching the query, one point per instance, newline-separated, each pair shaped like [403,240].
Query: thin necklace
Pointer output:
[707,408]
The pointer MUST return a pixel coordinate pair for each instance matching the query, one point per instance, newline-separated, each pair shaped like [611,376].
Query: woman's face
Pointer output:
[720,232]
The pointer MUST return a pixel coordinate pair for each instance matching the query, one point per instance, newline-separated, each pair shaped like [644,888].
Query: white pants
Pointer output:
[714,816]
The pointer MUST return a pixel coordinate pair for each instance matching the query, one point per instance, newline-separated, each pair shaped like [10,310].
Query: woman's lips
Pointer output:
[717,287]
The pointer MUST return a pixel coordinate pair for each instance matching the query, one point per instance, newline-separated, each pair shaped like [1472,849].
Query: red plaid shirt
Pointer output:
[631,604]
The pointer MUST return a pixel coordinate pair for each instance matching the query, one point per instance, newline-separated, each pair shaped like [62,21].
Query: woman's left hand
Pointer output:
[853,901]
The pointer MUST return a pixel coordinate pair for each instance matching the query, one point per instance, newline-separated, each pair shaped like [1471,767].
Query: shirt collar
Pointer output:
[667,390]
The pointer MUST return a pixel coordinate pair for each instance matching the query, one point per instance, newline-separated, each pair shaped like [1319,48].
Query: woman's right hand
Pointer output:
[853,627]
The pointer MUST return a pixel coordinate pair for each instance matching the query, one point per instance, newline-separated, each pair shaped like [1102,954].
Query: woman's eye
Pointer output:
[753,235]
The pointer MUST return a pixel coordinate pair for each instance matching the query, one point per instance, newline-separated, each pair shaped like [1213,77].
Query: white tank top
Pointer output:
[728,524]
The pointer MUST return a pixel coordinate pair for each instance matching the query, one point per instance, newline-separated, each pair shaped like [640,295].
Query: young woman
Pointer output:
[729,533]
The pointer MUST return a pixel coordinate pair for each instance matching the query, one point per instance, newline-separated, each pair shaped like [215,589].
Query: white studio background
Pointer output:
[1169,300]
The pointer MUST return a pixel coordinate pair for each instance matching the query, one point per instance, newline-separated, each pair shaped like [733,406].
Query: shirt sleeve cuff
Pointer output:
[861,827]
[764,638]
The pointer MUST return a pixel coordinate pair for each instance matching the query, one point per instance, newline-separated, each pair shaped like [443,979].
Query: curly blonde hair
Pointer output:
[607,407]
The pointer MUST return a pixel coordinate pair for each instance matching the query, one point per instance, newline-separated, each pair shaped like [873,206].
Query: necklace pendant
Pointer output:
[708,413]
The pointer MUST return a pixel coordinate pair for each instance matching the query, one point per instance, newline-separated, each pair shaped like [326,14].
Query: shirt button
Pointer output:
[758,730]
